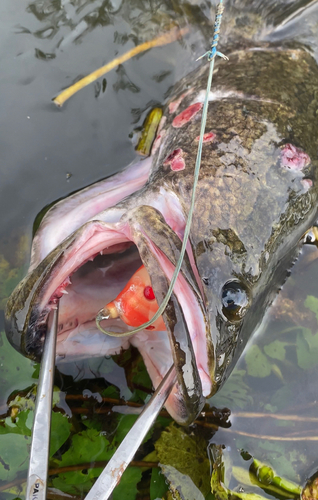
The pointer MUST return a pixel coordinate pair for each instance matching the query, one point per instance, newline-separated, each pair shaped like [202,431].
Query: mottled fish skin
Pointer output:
[252,205]
[256,197]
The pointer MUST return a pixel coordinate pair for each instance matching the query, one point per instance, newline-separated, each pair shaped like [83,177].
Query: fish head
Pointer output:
[255,199]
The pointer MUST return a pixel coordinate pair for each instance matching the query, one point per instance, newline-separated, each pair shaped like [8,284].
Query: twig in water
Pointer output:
[273,438]
[169,37]
[294,418]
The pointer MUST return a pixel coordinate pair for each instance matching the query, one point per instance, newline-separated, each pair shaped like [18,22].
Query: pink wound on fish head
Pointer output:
[294,158]
[186,115]
[178,164]
[208,137]
[175,160]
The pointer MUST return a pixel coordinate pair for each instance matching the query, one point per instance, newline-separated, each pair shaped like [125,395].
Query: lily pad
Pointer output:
[276,350]
[307,349]
[14,455]
[257,363]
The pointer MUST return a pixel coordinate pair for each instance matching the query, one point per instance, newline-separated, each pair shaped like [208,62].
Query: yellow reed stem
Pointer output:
[169,37]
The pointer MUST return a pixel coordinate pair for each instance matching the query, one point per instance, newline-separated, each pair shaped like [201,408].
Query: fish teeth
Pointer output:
[101,252]
[64,291]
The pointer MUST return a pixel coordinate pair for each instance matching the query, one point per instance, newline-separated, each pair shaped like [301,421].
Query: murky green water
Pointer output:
[46,153]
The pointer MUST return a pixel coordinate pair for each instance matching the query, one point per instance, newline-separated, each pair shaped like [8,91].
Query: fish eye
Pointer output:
[234,300]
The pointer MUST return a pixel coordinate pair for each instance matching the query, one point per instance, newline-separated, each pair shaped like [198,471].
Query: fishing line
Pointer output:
[211,54]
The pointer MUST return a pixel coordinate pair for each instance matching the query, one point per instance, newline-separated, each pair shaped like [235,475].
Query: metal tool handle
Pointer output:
[124,454]
[40,444]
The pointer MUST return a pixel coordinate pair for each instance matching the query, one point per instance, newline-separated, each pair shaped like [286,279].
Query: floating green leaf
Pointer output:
[158,485]
[27,402]
[235,392]
[307,349]
[76,482]
[282,397]
[21,425]
[257,363]
[17,492]
[127,488]
[14,455]
[60,431]
[87,446]
[311,303]
[111,392]
[183,456]
[276,350]
[125,424]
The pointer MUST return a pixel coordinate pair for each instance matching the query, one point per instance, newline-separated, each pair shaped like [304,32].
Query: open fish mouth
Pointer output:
[90,267]
[93,271]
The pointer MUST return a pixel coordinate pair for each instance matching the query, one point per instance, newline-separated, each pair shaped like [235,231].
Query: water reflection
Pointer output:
[139,20]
